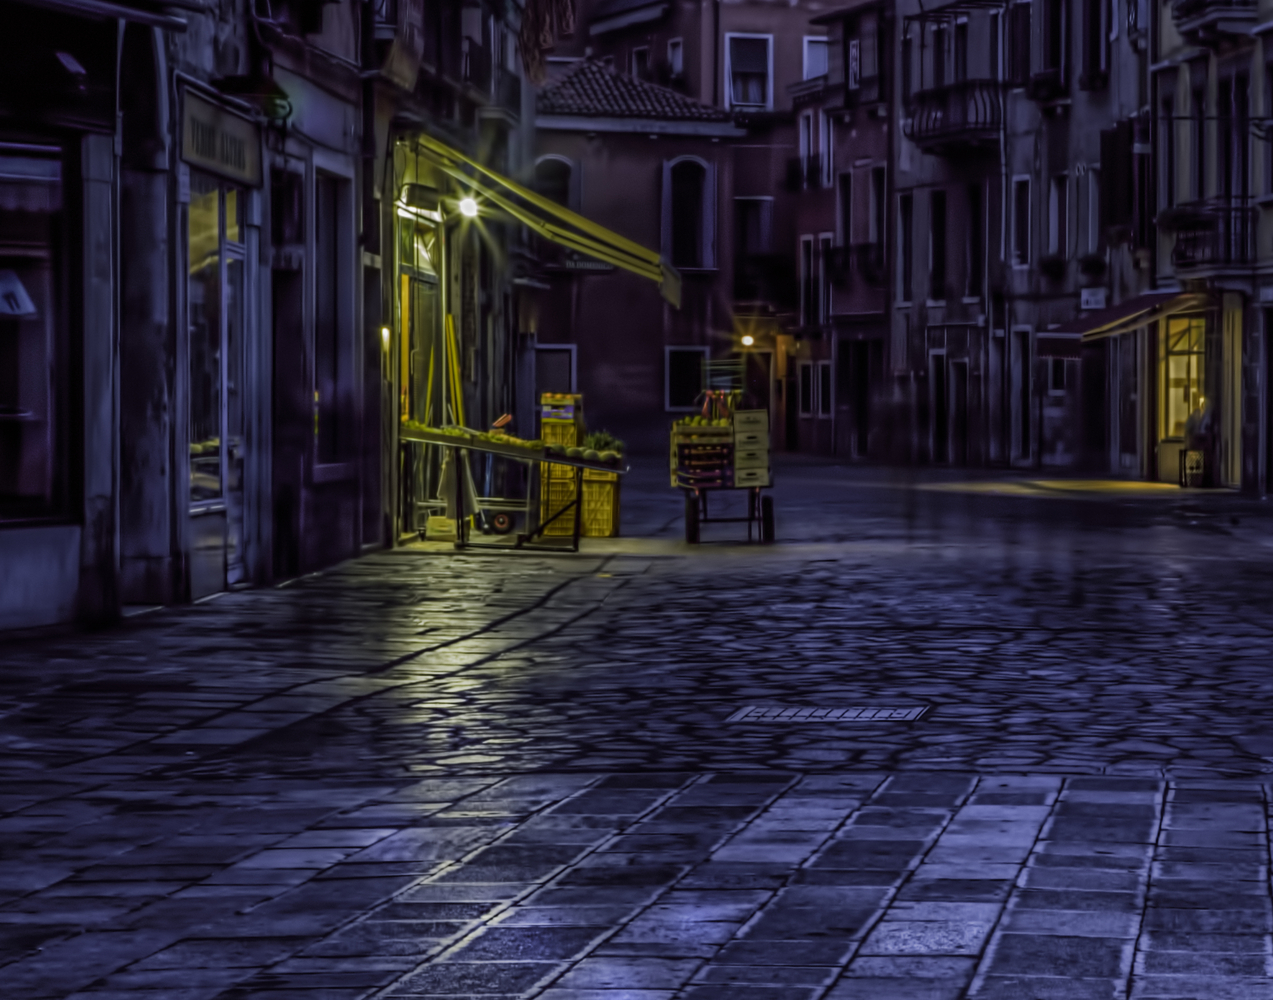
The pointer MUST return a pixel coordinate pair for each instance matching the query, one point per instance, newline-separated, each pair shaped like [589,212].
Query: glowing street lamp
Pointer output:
[748,340]
[468,207]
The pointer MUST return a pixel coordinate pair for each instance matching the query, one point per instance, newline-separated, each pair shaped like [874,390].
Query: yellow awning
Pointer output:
[552,221]
[1130,315]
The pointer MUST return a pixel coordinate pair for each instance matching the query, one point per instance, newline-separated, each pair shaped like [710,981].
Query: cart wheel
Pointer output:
[691,517]
[766,519]
[501,523]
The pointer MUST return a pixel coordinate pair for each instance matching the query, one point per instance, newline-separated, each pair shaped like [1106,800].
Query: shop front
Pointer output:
[1174,386]
[219,182]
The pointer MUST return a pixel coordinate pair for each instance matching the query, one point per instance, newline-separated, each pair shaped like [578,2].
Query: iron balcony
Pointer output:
[1207,21]
[957,116]
[1212,233]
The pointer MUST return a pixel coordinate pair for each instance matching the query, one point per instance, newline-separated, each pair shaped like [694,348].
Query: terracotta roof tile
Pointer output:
[589,88]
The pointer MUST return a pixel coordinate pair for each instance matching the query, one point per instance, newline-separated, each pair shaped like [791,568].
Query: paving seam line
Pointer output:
[618,584]
[891,893]
[1167,791]
[484,923]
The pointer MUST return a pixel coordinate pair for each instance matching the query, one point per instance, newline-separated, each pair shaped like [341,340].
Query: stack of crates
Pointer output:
[751,448]
[560,423]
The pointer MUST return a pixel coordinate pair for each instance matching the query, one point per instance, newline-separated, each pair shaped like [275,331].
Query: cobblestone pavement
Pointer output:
[482,775]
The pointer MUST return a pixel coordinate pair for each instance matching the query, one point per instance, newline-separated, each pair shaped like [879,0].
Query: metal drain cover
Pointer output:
[857,713]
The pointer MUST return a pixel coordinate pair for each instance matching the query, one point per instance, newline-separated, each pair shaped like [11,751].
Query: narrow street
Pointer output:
[1041,771]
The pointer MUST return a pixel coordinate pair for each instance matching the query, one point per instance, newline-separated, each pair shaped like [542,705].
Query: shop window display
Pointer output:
[34,355]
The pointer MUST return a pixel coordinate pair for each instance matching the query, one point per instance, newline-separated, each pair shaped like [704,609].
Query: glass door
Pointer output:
[215,352]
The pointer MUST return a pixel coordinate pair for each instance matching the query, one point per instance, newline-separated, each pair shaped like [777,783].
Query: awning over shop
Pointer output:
[552,221]
[151,13]
[1129,315]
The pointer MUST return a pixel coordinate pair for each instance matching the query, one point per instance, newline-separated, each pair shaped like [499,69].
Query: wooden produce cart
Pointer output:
[725,449]
[537,523]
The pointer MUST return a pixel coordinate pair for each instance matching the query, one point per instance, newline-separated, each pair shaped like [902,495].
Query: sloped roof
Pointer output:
[593,90]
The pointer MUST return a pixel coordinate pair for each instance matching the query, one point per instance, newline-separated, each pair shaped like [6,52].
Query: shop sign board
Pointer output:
[219,141]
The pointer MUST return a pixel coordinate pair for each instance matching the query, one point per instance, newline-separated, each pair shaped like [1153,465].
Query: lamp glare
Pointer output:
[748,340]
[468,208]
[384,335]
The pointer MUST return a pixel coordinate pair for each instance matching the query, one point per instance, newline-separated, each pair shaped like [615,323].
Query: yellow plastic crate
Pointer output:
[554,495]
[600,504]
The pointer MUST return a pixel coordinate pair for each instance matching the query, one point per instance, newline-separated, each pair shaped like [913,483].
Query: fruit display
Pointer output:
[464,434]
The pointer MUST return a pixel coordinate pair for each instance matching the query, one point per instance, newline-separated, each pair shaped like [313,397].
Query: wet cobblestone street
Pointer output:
[478,775]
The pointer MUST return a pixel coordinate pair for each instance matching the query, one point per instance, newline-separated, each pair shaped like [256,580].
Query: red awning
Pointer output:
[1130,314]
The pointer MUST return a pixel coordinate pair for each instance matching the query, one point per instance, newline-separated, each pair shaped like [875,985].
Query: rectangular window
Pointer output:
[753,227]
[826,146]
[976,242]
[1198,182]
[676,57]
[1167,140]
[878,203]
[641,62]
[1093,210]
[1021,221]
[808,389]
[869,41]
[905,249]
[34,353]
[685,371]
[961,51]
[1054,24]
[825,244]
[689,220]
[1095,71]
[846,209]
[815,57]
[940,36]
[1056,376]
[907,67]
[1019,44]
[1057,210]
[808,279]
[996,68]
[749,70]
[937,246]
[824,389]
[332,358]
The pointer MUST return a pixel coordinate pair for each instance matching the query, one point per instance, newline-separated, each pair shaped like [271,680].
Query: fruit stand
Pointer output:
[538,522]
[725,448]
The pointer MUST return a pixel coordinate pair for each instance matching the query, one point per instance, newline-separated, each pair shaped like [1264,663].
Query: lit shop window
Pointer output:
[34,362]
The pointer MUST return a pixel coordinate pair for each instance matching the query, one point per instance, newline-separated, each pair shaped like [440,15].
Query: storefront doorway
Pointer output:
[215,309]
[422,373]
[1181,386]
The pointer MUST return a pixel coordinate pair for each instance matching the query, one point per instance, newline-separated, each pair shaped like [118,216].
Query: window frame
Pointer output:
[824,389]
[632,62]
[938,246]
[729,72]
[574,188]
[1058,214]
[826,241]
[1057,365]
[825,42]
[1021,242]
[337,169]
[905,248]
[668,350]
[676,65]
[826,146]
[807,267]
[708,256]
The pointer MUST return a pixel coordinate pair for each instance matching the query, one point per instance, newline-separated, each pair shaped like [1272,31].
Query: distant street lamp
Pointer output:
[748,340]
[468,208]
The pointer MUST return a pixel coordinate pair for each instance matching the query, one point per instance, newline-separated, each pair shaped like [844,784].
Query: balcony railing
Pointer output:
[1207,20]
[1210,233]
[959,115]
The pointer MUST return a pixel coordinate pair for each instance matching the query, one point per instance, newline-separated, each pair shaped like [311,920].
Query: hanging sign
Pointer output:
[220,141]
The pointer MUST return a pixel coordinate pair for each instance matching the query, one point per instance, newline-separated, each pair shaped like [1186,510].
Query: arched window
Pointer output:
[554,179]
[689,218]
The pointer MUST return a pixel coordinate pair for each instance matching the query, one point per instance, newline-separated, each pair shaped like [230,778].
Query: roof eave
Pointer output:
[653,126]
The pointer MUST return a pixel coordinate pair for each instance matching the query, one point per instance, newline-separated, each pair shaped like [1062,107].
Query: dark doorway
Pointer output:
[291,417]
[959,412]
[940,410]
[1020,385]
[1268,403]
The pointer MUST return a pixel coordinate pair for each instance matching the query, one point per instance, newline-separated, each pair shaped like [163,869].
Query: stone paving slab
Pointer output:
[424,774]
